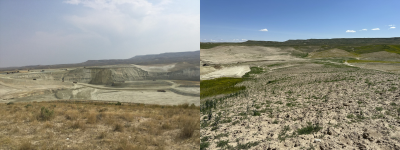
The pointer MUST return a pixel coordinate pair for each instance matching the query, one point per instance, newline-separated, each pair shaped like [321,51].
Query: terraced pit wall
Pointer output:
[111,75]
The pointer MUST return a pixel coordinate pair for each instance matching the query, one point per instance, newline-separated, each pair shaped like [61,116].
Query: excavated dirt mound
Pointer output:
[236,71]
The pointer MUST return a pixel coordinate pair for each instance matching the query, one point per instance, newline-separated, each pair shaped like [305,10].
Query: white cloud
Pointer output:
[363,30]
[244,40]
[350,31]
[392,27]
[375,29]
[144,21]
[263,30]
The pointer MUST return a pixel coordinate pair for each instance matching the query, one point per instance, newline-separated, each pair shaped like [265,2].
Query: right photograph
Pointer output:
[289,74]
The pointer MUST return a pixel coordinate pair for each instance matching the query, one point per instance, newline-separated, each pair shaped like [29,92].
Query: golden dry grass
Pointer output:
[98,125]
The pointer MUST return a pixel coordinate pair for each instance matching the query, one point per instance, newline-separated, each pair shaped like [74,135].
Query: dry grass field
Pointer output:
[98,125]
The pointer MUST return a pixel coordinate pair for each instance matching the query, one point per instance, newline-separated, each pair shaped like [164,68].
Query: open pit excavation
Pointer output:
[315,96]
[148,84]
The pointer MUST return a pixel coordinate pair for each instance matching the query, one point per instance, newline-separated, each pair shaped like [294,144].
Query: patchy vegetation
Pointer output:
[306,105]
[98,125]
[220,86]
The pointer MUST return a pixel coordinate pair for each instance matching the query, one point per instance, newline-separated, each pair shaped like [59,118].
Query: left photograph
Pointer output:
[100,74]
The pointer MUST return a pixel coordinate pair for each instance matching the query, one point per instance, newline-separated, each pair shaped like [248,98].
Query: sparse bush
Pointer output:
[28,105]
[184,106]
[205,145]
[45,114]
[78,125]
[91,118]
[10,103]
[222,143]
[26,145]
[350,116]
[118,127]
[379,108]
[189,125]
[282,135]
[118,103]
[102,135]
[247,145]
[205,138]
[236,122]
[221,135]
[290,104]
[309,129]
[214,128]
[166,126]
[256,113]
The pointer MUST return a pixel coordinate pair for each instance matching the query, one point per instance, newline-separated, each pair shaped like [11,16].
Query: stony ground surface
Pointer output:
[308,105]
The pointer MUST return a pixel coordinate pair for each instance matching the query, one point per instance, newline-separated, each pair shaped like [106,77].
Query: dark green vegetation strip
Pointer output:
[367,61]
[253,70]
[371,48]
[219,86]
[352,48]
[309,129]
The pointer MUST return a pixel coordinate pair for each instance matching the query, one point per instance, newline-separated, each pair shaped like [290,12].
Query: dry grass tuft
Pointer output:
[109,126]
[102,135]
[71,115]
[91,118]
[48,124]
[118,127]
[189,126]
[26,145]
[78,125]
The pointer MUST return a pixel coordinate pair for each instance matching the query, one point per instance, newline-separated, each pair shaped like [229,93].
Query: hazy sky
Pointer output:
[281,20]
[73,31]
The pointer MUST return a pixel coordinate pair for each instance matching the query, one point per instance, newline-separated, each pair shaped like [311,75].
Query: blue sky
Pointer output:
[238,20]
[73,31]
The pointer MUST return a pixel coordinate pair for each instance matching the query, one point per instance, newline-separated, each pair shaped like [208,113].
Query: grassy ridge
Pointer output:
[371,49]
[352,49]
[253,70]
[218,86]
[366,61]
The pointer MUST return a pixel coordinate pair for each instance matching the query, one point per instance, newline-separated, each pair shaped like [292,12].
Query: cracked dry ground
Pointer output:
[315,105]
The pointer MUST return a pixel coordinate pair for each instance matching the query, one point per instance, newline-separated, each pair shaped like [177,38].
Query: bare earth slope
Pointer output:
[303,104]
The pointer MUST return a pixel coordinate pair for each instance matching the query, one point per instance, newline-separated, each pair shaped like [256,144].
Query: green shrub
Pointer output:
[219,86]
[309,129]
[118,103]
[45,114]
[256,113]
[203,146]
[222,143]
[350,116]
[203,139]
[290,104]
[379,108]
[10,103]
[28,105]
[247,145]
